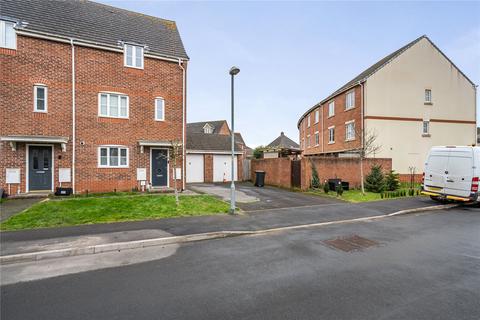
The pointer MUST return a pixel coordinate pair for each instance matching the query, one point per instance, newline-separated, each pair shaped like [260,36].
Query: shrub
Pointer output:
[339,189]
[392,181]
[258,152]
[326,187]
[315,179]
[375,181]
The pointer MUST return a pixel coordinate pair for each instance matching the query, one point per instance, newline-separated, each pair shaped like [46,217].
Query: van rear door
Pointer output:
[459,172]
[435,169]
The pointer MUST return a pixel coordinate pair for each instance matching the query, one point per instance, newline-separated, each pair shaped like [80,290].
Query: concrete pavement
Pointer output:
[425,266]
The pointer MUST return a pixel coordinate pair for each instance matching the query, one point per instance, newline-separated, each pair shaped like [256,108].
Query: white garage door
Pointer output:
[222,166]
[194,168]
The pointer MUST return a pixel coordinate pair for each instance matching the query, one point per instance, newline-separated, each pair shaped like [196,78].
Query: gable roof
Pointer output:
[95,22]
[197,127]
[374,68]
[283,142]
[210,142]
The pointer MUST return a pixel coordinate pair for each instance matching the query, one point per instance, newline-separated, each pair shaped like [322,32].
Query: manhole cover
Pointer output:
[350,243]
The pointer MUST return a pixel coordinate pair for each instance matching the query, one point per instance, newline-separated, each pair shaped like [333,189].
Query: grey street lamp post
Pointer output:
[233,71]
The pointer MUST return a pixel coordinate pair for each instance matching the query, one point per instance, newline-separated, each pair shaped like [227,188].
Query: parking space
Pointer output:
[251,198]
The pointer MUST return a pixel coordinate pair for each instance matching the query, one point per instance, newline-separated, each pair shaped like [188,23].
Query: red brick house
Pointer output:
[91,97]
[209,149]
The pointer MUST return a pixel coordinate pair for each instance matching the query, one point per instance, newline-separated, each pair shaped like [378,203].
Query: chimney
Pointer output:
[282,134]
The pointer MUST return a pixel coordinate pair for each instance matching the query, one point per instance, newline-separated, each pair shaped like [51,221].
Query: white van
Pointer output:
[452,172]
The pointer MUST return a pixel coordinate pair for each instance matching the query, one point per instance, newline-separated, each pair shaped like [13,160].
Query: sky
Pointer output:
[291,55]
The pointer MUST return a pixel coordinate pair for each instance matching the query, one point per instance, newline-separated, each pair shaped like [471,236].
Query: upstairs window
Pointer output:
[112,157]
[7,35]
[331,109]
[350,131]
[350,100]
[317,116]
[113,105]
[428,96]
[40,98]
[426,128]
[317,138]
[133,56]
[207,128]
[331,135]
[159,109]
[308,121]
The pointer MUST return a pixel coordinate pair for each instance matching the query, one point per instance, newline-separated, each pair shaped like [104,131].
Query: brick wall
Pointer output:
[347,169]
[49,63]
[208,165]
[277,171]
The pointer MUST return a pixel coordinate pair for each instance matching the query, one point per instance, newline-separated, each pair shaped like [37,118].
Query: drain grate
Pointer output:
[350,243]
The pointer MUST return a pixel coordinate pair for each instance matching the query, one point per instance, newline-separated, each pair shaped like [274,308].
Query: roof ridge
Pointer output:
[128,11]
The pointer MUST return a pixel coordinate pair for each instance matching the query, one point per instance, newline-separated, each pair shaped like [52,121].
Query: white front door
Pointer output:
[195,168]
[222,168]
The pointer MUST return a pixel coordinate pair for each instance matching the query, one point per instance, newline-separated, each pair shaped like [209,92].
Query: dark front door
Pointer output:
[159,167]
[39,168]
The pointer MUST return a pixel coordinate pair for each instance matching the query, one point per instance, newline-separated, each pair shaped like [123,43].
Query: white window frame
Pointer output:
[330,140]
[134,56]
[347,124]
[308,121]
[308,141]
[108,147]
[109,94]
[352,99]
[317,138]
[3,35]
[163,109]
[428,101]
[331,108]
[317,116]
[35,107]
[426,133]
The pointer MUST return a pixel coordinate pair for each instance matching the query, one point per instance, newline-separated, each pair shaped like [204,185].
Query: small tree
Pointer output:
[258,152]
[339,189]
[392,181]
[176,154]
[315,179]
[369,146]
[375,180]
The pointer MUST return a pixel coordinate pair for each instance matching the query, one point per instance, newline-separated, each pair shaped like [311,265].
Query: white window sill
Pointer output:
[331,142]
[133,67]
[160,120]
[426,135]
[348,140]
[109,167]
[8,48]
[428,103]
[347,109]
[112,117]
[40,111]
[331,116]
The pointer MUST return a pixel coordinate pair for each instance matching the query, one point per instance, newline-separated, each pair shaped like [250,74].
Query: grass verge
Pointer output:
[353,195]
[91,210]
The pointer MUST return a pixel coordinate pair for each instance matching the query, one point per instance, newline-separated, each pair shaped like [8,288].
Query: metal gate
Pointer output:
[296,173]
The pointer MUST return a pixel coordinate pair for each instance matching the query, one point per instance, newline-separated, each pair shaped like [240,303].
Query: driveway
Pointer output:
[251,198]
[11,207]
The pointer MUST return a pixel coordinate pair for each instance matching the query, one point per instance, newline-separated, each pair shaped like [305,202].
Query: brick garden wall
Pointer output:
[347,169]
[277,171]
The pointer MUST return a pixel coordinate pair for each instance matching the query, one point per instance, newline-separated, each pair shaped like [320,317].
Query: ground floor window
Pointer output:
[113,157]
[426,127]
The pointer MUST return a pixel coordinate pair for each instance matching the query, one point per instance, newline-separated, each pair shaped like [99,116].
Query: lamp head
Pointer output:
[234,71]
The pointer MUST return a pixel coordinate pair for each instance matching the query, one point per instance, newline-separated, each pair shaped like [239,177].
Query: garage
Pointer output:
[222,166]
[195,168]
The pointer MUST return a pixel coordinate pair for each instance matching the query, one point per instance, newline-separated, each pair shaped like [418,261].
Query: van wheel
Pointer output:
[438,199]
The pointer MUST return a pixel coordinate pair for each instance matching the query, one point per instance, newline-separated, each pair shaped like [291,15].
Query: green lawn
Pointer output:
[353,195]
[69,212]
